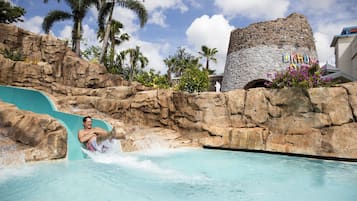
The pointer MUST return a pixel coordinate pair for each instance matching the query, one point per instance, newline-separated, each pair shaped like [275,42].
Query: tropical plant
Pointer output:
[152,79]
[303,76]
[209,54]
[183,60]
[136,57]
[106,12]
[194,80]
[10,13]
[79,9]
[91,53]
[170,63]
[115,38]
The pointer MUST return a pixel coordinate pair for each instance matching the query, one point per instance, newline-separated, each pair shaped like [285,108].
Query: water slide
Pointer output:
[37,102]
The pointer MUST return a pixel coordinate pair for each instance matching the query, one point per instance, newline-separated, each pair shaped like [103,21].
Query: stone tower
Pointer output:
[266,47]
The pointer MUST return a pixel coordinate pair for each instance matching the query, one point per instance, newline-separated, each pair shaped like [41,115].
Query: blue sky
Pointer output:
[192,23]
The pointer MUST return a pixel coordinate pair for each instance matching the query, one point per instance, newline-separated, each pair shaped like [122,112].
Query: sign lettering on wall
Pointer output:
[298,59]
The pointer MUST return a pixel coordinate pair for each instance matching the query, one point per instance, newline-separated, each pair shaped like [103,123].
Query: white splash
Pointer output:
[136,162]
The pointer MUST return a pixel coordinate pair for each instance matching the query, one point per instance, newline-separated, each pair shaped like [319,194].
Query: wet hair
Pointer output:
[86,117]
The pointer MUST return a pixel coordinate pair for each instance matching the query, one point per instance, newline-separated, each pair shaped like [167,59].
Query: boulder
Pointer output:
[39,137]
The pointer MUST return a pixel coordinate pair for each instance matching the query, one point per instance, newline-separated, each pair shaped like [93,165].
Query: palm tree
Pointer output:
[79,9]
[135,57]
[183,60]
[106,11]
[170,62]
[115,38]
[209,54]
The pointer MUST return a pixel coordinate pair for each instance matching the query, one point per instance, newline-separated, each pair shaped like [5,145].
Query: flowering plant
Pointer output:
[303,76]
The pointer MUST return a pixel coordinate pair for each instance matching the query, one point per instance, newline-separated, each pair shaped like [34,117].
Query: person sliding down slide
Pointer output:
[95,139]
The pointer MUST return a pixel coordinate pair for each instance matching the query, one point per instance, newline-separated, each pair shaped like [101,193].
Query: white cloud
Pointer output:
[313,5]
[324,52]
[89,37]
[158,18]
[153,51]
[127,17]
[33,24]
[156,10]
[255,9]
[324,35]
[152,5]
[66,33]
[211,31]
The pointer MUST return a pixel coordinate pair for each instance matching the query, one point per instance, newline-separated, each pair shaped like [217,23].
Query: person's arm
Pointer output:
[100,131]
[85,137]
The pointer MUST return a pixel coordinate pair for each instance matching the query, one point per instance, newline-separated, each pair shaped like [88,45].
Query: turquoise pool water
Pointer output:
[182,175]
[38,102]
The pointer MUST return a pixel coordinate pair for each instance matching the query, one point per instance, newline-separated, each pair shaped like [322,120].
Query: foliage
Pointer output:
[209,54]
[77,14]
[169,61]
[9,13]
[152,79]
[194,80]
[106,9]
[115,38]
[13,55]
[303,76]
[92,53]
[136,57]
[181,61]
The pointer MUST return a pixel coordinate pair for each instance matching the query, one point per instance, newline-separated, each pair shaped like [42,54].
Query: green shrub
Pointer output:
[194,80]
[152,79]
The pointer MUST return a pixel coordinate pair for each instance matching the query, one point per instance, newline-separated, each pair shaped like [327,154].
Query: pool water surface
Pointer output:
[184,174]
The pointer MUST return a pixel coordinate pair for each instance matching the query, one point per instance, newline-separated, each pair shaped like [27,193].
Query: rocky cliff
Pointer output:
[48,60]
[318,122]
[32,136]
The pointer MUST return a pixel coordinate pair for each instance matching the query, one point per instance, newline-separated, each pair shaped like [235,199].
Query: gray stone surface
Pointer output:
[255,63]
[258,49]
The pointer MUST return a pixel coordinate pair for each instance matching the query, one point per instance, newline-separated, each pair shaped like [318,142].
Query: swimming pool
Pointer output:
[187,174]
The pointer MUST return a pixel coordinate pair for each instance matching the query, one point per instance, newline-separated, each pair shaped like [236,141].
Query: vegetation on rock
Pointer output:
[303,76]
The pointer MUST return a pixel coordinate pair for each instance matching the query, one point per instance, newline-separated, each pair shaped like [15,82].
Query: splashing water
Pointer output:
[139,161]
[11,156]
[184,174]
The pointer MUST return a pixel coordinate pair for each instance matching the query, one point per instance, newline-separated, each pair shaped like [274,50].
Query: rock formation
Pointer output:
[48,60]
[318,122]
[258,50]
[36,136]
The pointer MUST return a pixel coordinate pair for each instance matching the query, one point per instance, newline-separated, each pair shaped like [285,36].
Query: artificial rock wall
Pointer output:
[257,50]
[318,122]
[48,60]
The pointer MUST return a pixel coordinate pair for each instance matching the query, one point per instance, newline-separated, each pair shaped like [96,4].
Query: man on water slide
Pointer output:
[94,139]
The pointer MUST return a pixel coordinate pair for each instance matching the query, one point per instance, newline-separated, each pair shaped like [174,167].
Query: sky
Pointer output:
[193,23]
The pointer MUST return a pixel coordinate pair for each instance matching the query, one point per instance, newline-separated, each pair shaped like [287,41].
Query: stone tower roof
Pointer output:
[293,30]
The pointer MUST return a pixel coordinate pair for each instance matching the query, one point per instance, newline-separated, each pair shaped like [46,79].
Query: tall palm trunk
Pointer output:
[132,66]
[106,35]
[112,50]
[169,75]
[207,63]
[78,39]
